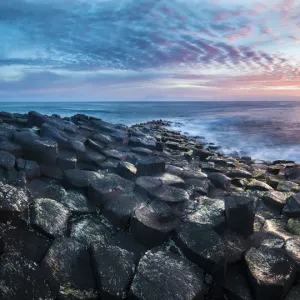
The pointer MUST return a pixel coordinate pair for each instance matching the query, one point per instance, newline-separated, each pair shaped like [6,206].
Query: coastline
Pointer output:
[91,208]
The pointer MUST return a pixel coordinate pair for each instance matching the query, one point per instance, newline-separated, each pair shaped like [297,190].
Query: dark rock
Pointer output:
[271,273]
[12,148]
[151,166]
[102,190]
[29,243]
[193,174]
[91,229]
[50,132]
[239,173]
[67,159]
[293,174]
[276,227]
[240,210]
[36,119]
[119,210]
[114,269]
[196,186]
[79,178]
[30,167]
[142,142]
[275,198]
[104,126]
[203,246]
[126,170]
[141,150]
[292,248]
[44,151]
[95,145]
[265,239]
[258,186]
[146,184]
[219,180]
[152,224]
[53,172]
[110,165]
[294,293]
[288,186]
[43,189]
[7,160]
[293,226]
[292,206]
[174,170]
[236,247]
[50,217]
[115,154]
[71,266]
[22,279]
[25,138]
[170,179]
[93,157]
[102,138]
[164,275]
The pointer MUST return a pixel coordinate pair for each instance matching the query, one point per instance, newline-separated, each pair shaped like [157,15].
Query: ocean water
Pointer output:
[263,130]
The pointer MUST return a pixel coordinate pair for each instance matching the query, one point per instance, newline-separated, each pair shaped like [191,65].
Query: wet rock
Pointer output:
[95,145]
[208,252]
[240,210]
[142,142]
[28,243]
[79,178]
[67,159]
[93,157]
[22,279]
[152,224]
[12,148]
[164,275]
[294,293]
[292,206]
[293,226]
[114,269]
[271,273]
[119,210]
[71,266]
[50,217]
[102,190]
[258,186]
[292,248]
[151,166]
[44,189]
[13,204]
[275,198]
[7,160]
[30,167]
[102,138]
[127,170]
[236,285]
[219,180]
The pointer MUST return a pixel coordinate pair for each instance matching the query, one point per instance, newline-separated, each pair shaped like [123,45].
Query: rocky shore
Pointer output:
[93,210]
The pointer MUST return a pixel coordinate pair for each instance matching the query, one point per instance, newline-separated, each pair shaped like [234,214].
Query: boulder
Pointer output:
[288,186]
[79,178]
[102,190]
[271,273]
[46,189]
[202,154]
[292,207]
[193,174]
[239,174]
[240,210]
[114,270]
[145,184]
[126,169]
[25,139]
[103,126]
[294,293]
[71,265]
[170,179]
[119,210]
[174,170]
[102,138]
[44,151]
[12,148]
[51,171]
[257,185]
[67,159]
[141,150]
[7,160]
[22,279]
[148,143]
[293,174]
[293,226]
[151,166]
[164,275]
[36,119]
[152,224]
[115,154]
[275,198]
[219,180]
[203,246]
[292,248]
[91,156]
[50,217]
[277,228]
[30,167]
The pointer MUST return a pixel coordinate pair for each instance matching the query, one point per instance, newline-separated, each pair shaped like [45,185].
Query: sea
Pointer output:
[265,130]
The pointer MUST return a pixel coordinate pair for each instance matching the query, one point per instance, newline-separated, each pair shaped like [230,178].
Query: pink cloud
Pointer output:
[244,32]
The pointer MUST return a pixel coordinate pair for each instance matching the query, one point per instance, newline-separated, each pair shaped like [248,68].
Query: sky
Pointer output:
[88,50]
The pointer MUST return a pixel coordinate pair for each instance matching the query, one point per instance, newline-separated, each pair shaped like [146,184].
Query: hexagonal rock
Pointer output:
[196,186]
[49,216]
[67,159]
[219,180]
[141,150]
[118,210]
[211,212]
[79,178]
[292,248]
[22,279]
[77,202]
[53,171]
[71,265]
[170,179]
[145,184]
[151,166]
[103,138]
[114,270]
[30,167]
[271,273]
[29,243]
[165,275]
[294,293]
[7,160]
[112,185]
[44,151]
[36,119]
[277,227]
[236,285]
[236,247]
[257,185]
[292,206]
[288,186]
[105,126]
[293,226]
[203,246]
[113,153]
[239,173]
[126,169]
[240,210]
[203,154]
[13,204]
[152,224]
[42,189]
[193,174]
[90,229]
[91,156]
[275,198]
[142,142]
[293,174]
[174,170]
[12,148]
[169,194]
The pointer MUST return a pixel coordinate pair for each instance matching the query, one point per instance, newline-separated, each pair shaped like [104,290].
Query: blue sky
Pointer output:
[145,50]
